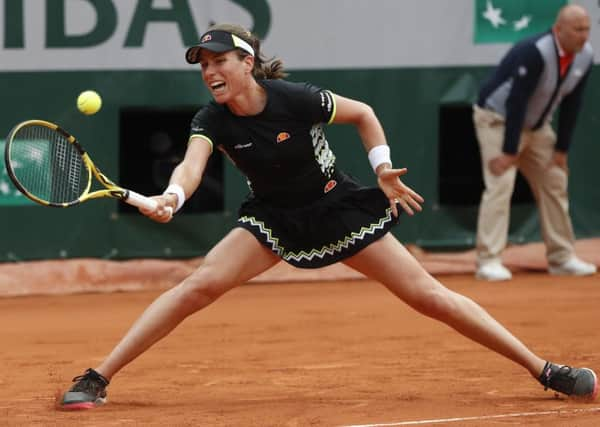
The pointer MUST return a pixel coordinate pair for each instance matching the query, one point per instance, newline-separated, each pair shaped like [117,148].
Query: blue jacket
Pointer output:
[526,89]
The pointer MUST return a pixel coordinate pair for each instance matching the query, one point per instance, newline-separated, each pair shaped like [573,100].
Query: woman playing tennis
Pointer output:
[301,209]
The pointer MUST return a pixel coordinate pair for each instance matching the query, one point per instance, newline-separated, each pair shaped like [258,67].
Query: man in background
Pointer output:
[512,120]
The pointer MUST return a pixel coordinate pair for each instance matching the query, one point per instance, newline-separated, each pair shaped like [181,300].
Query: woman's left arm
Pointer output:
[371,132]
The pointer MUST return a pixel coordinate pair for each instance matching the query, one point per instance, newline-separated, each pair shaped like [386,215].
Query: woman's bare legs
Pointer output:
[234,260]
[388,262]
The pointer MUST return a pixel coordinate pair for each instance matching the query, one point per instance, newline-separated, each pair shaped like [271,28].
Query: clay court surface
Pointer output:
[329,353]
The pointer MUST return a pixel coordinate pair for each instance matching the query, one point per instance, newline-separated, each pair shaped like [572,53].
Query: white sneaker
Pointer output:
[573,267]
[493,271]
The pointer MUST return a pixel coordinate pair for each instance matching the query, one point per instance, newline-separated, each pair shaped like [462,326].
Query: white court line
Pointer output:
[480,418]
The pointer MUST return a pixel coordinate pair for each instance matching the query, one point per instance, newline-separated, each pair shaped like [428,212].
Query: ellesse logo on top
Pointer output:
[329,186]
[283,136]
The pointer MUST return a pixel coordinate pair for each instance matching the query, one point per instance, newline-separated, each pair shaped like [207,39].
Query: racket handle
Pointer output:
[139,201]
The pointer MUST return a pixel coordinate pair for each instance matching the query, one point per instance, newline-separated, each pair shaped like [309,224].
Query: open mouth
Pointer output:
[217,86]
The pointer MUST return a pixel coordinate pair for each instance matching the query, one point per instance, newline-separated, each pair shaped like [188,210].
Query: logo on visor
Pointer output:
[206,38]
[283,136]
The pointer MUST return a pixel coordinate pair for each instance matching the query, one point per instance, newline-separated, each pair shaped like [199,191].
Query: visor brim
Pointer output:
[192,55]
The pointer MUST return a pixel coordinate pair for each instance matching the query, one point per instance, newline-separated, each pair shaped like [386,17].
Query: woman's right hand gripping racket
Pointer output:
[50,167]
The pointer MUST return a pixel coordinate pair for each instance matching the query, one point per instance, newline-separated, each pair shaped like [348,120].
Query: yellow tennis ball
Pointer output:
[89,102]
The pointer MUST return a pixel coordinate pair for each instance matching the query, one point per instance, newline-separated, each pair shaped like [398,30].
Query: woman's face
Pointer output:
[225,74]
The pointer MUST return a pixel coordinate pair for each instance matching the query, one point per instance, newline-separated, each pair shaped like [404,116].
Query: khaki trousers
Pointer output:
[548,183]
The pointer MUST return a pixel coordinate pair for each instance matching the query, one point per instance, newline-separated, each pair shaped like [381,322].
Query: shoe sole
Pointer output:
[77,406]
[571,273]
[491,279]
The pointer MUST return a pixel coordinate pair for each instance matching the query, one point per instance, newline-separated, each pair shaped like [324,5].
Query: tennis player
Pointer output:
[300,208]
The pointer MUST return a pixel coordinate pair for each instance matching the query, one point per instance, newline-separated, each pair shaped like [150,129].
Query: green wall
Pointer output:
[406,100]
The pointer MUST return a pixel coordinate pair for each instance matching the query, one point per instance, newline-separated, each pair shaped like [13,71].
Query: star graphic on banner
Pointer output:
[4,188]
[522,23]
[493,15]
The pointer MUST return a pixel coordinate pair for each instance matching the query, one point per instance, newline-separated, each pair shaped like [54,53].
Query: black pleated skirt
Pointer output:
[335,226]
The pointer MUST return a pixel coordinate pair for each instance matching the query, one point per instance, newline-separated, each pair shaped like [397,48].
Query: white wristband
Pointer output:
[178,191]
[378,155]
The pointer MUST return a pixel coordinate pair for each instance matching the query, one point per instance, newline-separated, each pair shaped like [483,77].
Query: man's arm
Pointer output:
[528,66]
[567,118]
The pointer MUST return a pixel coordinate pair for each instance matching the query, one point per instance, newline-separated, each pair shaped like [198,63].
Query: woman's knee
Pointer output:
[204,286]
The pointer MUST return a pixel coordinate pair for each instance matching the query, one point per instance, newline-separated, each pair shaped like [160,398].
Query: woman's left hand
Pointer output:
[397,192]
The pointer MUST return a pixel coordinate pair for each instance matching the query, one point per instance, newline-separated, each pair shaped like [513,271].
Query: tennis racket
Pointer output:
[50,167]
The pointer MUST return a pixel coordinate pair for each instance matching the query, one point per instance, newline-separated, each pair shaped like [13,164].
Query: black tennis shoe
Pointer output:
[89,391]
[580,383]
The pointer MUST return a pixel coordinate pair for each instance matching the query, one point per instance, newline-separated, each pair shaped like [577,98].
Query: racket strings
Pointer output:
[68,163]
[47,165]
